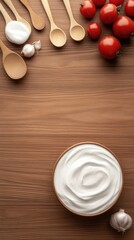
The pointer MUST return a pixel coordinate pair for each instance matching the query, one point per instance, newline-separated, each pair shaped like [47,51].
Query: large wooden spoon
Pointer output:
[57,35]
[37,21]
[77,32]
[13,63]
[18,17]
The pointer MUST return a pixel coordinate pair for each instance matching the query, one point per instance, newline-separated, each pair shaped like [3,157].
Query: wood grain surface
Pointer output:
[69,95]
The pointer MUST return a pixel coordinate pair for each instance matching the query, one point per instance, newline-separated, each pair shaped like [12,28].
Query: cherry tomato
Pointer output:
[123,27]
[98,3]
[129,8]
[88,9]
[109,47]
[108,13]
[94,30]
[117,2]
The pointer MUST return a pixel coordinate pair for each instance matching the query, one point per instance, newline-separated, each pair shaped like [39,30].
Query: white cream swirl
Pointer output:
[17,32]
[88,179]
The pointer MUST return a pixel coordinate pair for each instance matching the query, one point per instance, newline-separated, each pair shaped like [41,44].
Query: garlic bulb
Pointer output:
[37,45]
[28,51]
[121,221]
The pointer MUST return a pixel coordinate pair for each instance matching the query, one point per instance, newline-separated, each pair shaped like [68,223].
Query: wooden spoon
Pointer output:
[13,63]
[11,32]
[57,36]
[77,32]
[37,21]
[18,17]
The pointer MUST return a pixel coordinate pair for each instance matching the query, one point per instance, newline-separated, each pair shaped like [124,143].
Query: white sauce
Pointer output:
[88,179]
[17,32]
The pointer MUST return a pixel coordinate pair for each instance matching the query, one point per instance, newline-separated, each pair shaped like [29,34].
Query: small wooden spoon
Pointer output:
[57,36]
[18,17]
[37,21]
[13,63]
[12,34]
[77,32]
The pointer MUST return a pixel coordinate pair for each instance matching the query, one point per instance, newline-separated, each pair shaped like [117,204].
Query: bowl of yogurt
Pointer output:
[88,179]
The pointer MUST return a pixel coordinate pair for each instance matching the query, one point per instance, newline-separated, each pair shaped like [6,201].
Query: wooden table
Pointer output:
[69,95]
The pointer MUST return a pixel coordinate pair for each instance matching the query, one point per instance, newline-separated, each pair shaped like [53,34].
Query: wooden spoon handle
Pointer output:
[13,9]
[46,6]
[5,14]
[4,49]
[37,21]
[27,5]
[69,10]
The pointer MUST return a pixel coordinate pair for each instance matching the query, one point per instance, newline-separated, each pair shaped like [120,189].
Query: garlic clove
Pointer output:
[121,221]
[37,45]
[113,222]
[129,223]
[28,51]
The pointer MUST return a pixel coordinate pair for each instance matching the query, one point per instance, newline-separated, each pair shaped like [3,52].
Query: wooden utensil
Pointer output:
[37,21]
[77,32]
[5,14]
[11,32]
[57,36]
[18,17]
[13,63]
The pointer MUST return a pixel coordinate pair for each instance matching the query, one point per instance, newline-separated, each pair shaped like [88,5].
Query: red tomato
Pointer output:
[94,30]
[109,47]
[98,3]
[108,13]
[88,9]
[117,2]
[123,27]
[129,8]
